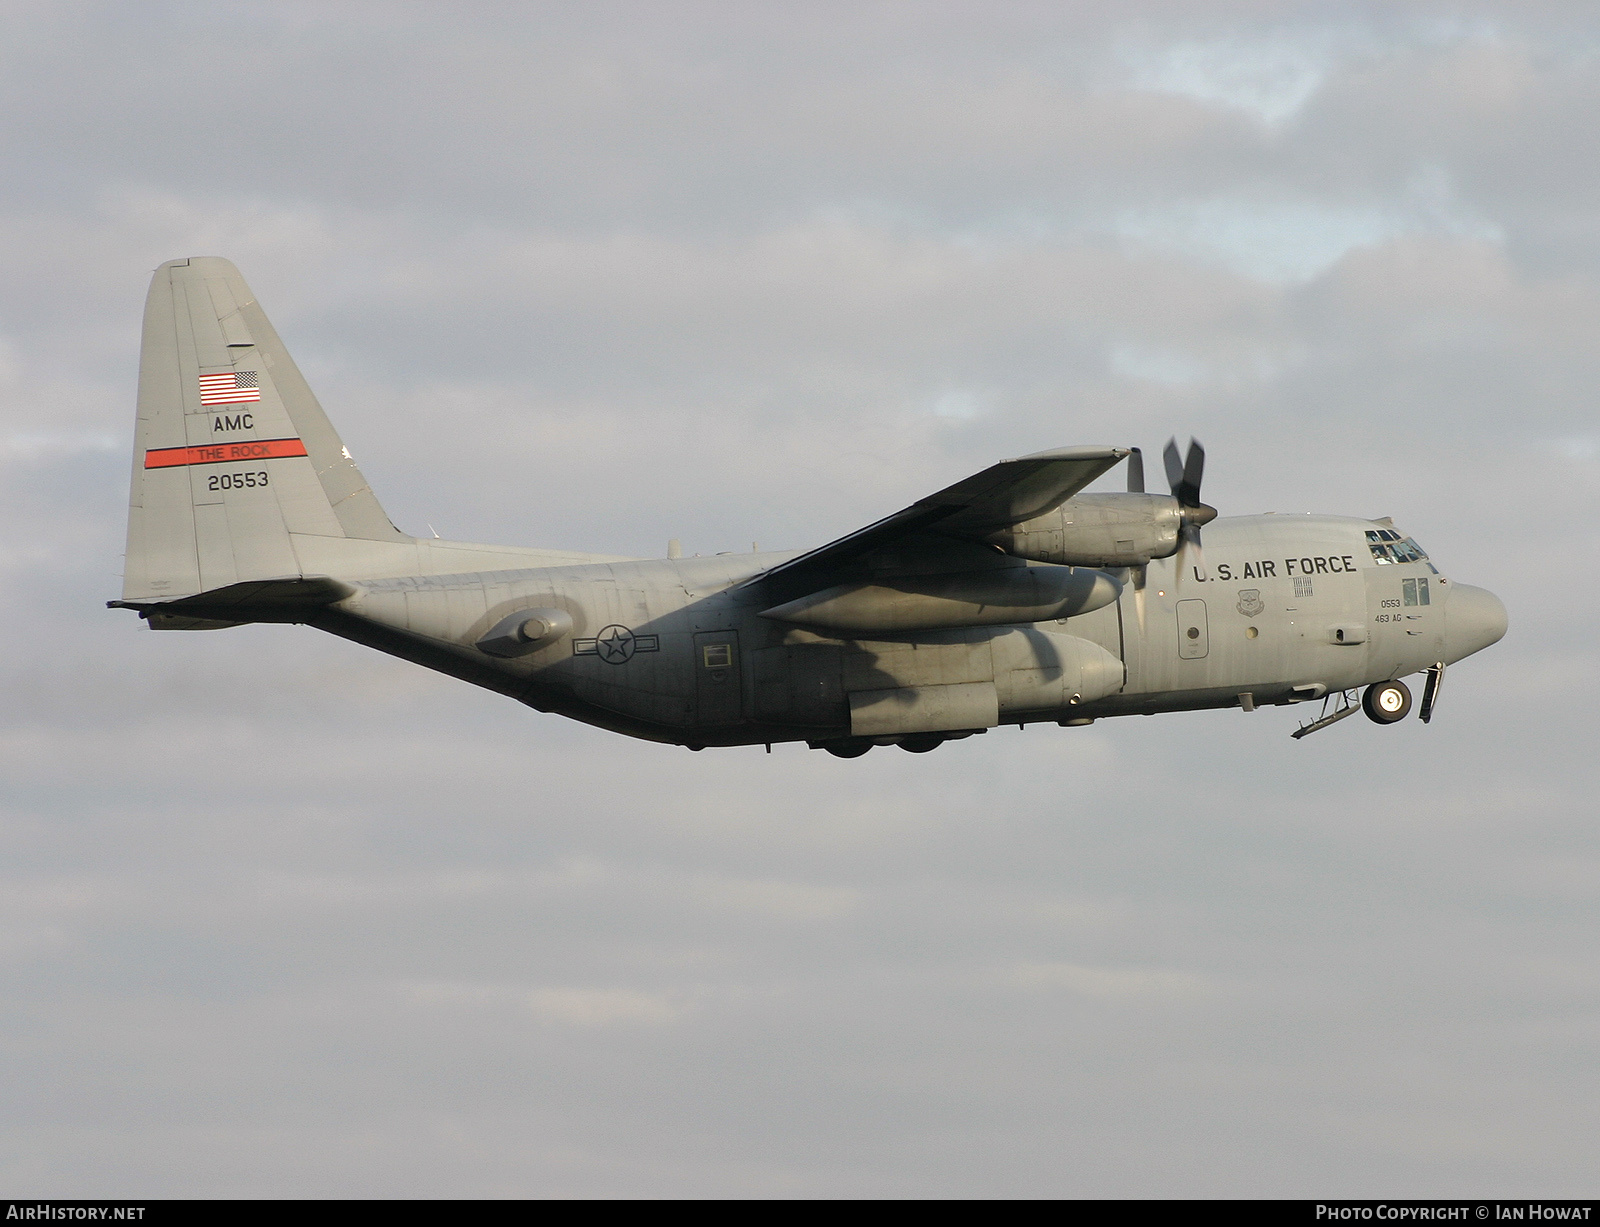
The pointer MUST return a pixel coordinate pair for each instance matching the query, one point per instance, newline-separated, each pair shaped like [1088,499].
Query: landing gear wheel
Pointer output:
[1386,702]
[921,745]
[848,749]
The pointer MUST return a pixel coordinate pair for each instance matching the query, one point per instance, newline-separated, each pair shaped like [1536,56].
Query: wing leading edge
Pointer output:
[1007,493]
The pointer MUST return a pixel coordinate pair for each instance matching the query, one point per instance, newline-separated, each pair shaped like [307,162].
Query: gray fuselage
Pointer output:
[1288,607]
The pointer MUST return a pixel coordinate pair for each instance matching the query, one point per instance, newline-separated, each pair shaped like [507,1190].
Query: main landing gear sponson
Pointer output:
[848,749]
[1386,702]
[918,744]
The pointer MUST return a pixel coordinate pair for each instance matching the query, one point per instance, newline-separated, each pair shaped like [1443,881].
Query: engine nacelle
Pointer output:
[1098,530]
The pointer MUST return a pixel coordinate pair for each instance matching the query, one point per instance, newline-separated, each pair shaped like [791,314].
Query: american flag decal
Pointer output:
[230,388]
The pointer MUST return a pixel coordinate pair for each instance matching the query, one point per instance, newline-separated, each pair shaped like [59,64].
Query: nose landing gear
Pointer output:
[1386,702]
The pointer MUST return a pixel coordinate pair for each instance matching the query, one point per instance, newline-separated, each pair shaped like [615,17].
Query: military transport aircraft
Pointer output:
[1008,598]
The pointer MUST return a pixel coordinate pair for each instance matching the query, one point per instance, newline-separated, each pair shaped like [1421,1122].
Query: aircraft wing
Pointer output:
[1001,495]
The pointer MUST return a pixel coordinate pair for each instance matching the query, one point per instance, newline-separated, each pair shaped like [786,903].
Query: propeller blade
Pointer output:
[1135,471]
[1191,553]
[1139,575]
[1184,477]
[1169,456]
[1194,468]
[1192,534]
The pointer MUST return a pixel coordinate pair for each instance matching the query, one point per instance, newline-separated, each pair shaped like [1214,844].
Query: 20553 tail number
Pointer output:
[236,481]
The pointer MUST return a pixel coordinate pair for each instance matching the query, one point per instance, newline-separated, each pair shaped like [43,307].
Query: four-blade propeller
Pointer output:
[1183,477]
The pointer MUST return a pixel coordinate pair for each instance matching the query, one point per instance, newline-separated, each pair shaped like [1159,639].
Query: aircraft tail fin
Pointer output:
[232,452]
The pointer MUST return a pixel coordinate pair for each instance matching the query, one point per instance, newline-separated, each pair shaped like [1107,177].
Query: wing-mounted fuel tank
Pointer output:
[1098,530]
[992,597]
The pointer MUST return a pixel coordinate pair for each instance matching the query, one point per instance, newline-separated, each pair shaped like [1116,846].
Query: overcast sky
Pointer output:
[283,917]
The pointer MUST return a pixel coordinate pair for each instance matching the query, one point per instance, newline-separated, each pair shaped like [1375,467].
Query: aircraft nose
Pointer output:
[1474,619]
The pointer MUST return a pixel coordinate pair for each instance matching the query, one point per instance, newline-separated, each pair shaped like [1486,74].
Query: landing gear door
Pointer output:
[718,689]
[1194,637]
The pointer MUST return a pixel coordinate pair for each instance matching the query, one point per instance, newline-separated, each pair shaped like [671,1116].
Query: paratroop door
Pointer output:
[717,688]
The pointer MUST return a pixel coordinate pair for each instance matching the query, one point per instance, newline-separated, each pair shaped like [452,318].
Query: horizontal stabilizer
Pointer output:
[286,599]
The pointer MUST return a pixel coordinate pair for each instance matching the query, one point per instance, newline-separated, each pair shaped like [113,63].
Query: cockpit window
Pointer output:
[1389,547]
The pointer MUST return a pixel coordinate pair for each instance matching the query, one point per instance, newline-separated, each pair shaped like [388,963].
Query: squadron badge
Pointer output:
[1250,602]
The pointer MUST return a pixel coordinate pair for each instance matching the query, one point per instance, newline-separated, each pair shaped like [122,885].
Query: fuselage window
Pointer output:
[1414,591]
